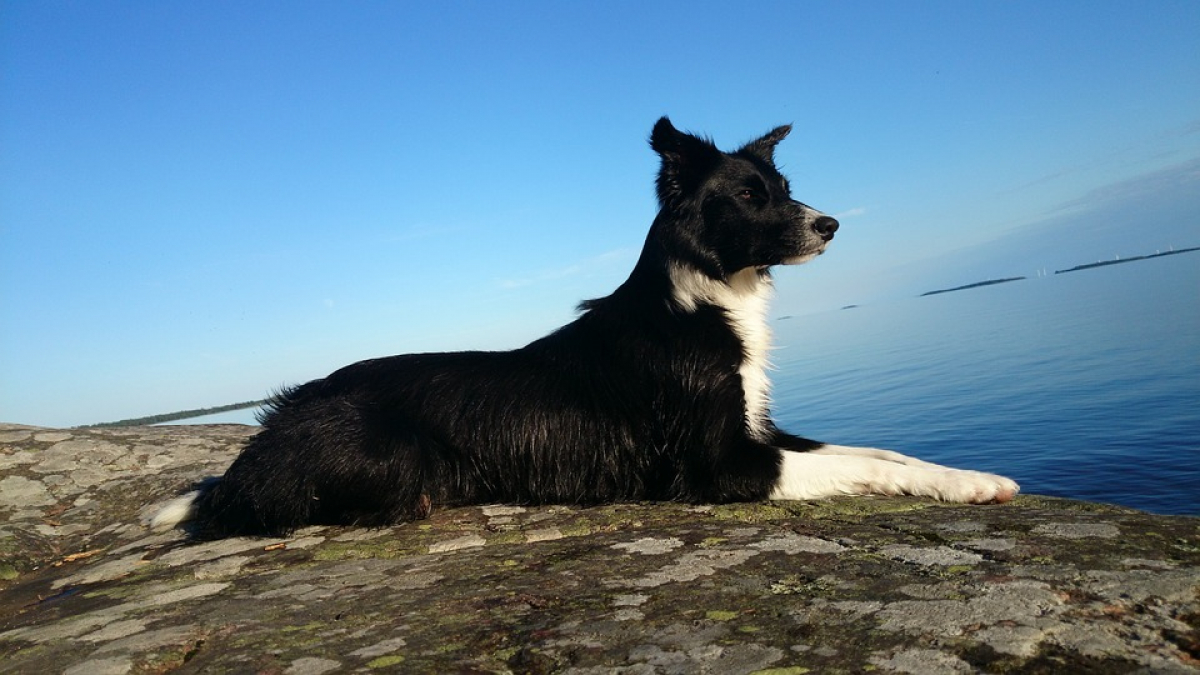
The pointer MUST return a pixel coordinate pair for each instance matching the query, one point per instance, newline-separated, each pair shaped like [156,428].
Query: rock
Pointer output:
[884,584]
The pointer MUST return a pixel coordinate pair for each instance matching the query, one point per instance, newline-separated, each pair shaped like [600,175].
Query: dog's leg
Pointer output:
[814,475]
[875,453]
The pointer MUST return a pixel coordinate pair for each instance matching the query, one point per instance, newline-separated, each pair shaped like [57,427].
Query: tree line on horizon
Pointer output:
[171,417]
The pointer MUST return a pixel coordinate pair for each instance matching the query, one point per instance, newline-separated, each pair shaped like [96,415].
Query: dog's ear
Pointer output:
[686,160]
[764,147]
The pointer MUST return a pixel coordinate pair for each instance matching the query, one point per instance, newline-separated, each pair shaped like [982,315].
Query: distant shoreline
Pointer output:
[172,417]
[1087,266]
[1118,261]
[990,282]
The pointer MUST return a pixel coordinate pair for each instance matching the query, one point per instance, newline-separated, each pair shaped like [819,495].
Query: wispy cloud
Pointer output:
[1147,149]
[1178,176]
[851,213]
[1188,129]
[592,265]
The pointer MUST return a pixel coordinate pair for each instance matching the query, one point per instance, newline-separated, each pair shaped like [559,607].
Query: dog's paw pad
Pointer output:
[974,487]
[1007,490]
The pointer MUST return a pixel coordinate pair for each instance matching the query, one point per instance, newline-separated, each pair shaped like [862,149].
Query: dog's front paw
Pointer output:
[974,487]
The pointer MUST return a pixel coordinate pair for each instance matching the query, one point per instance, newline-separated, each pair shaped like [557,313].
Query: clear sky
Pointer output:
[202,201]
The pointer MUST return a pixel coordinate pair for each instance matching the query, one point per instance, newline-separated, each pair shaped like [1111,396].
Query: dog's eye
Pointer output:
[746,194]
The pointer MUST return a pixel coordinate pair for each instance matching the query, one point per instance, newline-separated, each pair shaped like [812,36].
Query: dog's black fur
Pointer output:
[643,397]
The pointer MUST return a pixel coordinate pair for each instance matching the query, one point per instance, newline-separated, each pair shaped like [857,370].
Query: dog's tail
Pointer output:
[182,509]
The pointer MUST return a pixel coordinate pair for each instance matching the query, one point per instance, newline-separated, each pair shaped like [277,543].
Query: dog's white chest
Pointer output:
[750,323]
[744,299]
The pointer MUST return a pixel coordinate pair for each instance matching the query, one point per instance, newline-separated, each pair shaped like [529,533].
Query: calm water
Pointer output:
[1082,385]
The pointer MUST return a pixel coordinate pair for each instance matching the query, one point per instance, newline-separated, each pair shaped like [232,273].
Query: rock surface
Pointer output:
[847,585]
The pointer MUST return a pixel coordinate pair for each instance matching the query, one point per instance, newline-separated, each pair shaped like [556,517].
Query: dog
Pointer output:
[657,392]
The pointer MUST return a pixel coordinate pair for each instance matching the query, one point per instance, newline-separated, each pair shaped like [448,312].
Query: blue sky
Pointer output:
[200,202]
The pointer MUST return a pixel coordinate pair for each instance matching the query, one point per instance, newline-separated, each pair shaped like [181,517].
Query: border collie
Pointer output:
[658,391]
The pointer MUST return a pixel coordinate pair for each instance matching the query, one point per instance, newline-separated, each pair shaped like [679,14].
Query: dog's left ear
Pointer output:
[765,147]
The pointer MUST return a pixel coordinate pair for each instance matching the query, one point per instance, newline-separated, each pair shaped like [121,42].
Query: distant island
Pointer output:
[1088,266]
[171,417]
[1118,261]
[990,282]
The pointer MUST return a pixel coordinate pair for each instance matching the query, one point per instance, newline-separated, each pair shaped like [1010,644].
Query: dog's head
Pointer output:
[724,212]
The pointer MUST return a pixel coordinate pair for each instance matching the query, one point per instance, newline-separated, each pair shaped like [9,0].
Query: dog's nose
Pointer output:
[825,226]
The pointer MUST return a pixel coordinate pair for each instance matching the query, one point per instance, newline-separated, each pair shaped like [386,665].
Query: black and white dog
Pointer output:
[656,392]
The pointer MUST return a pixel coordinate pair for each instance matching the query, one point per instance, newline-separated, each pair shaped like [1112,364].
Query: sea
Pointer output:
[1083,385]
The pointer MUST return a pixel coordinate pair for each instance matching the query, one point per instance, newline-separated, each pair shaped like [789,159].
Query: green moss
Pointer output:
[449,647]
[577,530]
[509,537]
[789,670]
[750,512]
[858,507]
[1065,505]
[385,661]
[720,615]
[310,626]
[504,655]
[8,572]
[833,508]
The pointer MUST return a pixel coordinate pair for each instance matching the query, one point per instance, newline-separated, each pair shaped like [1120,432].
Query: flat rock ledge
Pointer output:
[846,585]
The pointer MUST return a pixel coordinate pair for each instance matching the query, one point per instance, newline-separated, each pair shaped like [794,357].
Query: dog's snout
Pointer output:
[825,226]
